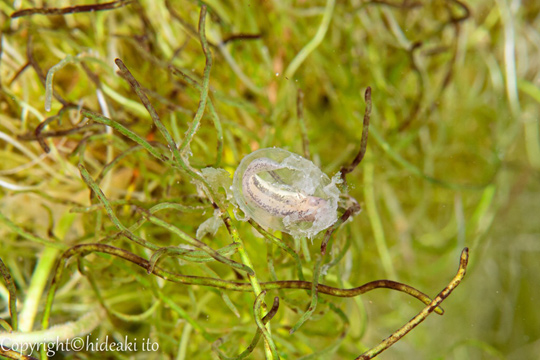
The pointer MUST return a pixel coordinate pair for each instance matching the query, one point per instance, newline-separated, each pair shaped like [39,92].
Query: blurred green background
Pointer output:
[453,161]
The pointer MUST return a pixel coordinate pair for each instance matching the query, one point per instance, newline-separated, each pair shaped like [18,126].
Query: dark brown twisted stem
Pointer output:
[363,143]
[422,315]
[71,10]
[86,249]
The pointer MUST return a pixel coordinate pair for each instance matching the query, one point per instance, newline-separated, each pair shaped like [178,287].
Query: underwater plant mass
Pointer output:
[269,180]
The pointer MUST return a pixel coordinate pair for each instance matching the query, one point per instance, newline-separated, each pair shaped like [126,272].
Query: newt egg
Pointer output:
[284,191]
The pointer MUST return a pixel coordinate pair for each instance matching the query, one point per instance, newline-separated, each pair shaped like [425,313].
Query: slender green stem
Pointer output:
[153,113]
[351,211]
[155,207]
[314,296]
[204,87]
[139,318]
[190,255]
[197,243]
[157,122]
[23,233]
[531,126]
[184,342]
[186,316]
[12,354]
[144,281]
[256,286]
[302,122]
[375,220]
[282,245]
[314,43]
[508,18]
[215,117]
[305,248]
[261,325]
[256,337]
[6,325]
[125,231]
[69,59]
[12,295]
[340,255]
[40,277]
[163,130]
[108,167]
[127,133]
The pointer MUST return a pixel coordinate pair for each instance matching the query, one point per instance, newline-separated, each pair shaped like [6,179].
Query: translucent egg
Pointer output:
[284,191]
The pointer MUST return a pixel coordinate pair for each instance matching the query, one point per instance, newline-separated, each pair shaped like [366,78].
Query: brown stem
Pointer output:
[363,144]
[422,315]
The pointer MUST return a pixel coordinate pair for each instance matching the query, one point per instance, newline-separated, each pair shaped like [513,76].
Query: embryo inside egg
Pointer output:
[284,191]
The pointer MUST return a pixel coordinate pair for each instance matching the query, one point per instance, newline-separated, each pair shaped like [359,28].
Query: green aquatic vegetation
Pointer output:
[122,123]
